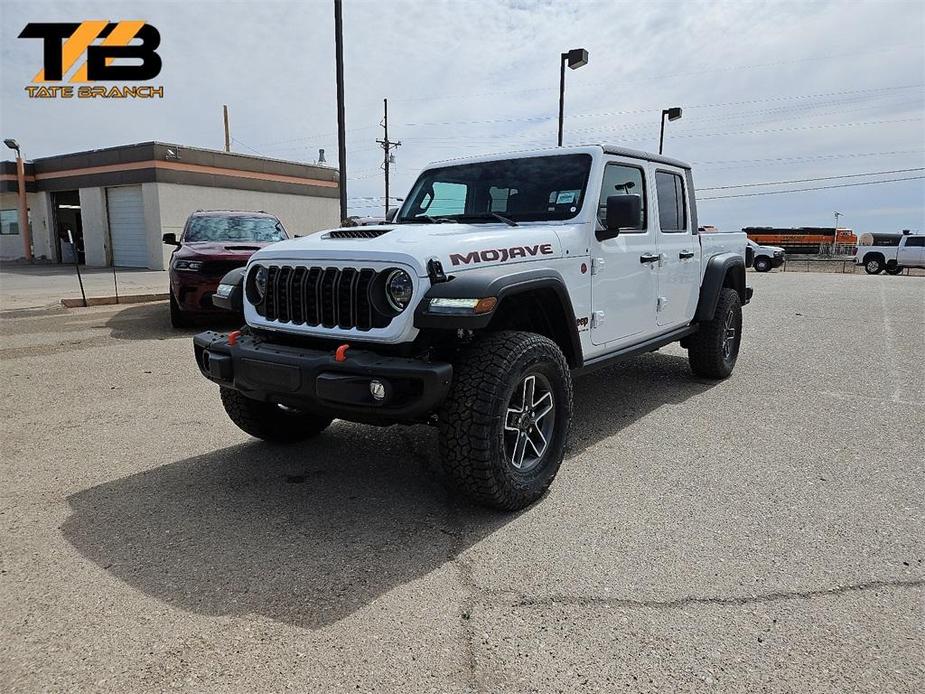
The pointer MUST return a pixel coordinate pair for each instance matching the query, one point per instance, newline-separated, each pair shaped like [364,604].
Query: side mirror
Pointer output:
[170,239]
[623,212]
[392,214]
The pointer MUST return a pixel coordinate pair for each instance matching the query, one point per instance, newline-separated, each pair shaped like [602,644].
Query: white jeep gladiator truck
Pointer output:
[890,252]
[499,279]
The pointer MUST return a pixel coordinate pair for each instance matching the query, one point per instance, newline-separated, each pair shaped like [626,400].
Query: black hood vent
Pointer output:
[356,233]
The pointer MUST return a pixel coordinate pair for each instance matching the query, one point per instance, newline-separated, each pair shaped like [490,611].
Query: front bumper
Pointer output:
[777,261]
[194,294]
[312,380]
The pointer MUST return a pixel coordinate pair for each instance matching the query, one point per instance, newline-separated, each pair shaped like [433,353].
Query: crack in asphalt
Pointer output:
[731,601]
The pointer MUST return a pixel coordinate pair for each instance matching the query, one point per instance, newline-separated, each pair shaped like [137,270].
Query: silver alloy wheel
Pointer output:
[729,335]
[529,422]
[873,266]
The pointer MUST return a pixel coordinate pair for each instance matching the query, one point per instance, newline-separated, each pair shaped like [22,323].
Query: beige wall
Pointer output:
[95,222]
[11,246]
[300,214]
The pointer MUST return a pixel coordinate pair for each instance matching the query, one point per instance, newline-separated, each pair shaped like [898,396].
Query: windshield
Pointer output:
[523,190]
[234,228]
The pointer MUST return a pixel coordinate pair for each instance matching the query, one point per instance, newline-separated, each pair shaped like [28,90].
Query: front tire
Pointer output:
[714,348]
[178,319]
[873,266]
[894,269]
[504,424]
[269,421]
[762,265]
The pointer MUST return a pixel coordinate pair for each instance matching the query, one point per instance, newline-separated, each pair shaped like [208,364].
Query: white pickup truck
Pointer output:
[499,278]
[890,252]
[763,258]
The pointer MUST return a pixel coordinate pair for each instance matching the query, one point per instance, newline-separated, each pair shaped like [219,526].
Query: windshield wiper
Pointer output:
[490,215]
[433,220]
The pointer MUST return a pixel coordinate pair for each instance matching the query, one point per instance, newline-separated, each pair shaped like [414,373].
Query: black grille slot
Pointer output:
[326,296]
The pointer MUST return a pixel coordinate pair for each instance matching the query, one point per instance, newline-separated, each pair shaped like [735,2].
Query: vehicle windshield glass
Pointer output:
[234,228]
[524,190]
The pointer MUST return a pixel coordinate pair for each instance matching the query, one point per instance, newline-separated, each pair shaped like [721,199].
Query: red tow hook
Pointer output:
[341,353]
[233,337]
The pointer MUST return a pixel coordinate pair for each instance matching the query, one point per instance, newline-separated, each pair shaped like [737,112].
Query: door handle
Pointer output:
[686,255]
[649,258]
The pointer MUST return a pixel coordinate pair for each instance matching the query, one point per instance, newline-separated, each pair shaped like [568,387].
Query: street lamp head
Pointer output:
[577,57]
[673,113]
[12,144]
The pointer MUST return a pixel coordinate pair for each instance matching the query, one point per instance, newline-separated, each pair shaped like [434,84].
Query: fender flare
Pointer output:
[719,267]
[501,282]
[234,301]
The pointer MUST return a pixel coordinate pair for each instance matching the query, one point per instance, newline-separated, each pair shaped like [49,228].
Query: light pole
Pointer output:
[23,206]
[673,113]
[341,128]
[835,234]
[575,58]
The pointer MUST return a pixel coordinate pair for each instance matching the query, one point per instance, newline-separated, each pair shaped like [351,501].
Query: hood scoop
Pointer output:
[242,248]
[356,233]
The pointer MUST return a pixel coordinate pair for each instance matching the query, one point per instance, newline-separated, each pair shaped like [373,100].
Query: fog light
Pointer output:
[377,390]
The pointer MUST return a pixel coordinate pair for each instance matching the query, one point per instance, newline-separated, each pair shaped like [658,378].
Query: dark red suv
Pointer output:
[212,243]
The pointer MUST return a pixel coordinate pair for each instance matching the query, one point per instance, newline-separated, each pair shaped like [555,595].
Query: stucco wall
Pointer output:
[300,214]
[11,245]
[95,225]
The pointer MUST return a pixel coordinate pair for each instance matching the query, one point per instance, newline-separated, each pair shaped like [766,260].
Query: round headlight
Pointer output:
[260,275]
[398,289]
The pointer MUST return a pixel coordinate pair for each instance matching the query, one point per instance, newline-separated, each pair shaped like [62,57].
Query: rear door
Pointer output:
[127,226]
[623,284]
[679,251]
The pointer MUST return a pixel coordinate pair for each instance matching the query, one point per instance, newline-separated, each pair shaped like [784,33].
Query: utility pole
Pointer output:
[227,130]
[341,127]
[387,145]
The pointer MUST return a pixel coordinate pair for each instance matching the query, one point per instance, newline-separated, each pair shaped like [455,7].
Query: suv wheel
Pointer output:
[894,269]
[178,319]
[714,348]
[873,266]
[762,264]
[269,421]
[505,422]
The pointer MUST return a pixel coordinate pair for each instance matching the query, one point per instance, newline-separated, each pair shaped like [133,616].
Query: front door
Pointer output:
[679,252]
[623,283]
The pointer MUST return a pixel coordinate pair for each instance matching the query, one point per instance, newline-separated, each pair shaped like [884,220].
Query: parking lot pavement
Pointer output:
[759,534]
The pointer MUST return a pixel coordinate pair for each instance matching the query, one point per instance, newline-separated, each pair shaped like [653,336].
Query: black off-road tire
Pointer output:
[270,422]
[706,347]
[873,266]
[762,264]
[178,319]
[472,419]
[894,269]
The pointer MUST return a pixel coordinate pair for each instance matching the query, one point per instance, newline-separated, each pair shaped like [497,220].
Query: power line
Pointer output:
[803,190]
[810,157]
[808,180]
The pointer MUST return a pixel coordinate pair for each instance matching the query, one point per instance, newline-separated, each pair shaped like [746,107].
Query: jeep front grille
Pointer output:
[327,296]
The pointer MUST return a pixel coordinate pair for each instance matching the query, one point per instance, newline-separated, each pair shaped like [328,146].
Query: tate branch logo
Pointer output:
[96,50]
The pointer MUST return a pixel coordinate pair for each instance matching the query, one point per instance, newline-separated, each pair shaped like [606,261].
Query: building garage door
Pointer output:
[127,226]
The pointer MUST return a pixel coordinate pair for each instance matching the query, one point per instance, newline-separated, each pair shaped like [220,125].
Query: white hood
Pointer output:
[457,246]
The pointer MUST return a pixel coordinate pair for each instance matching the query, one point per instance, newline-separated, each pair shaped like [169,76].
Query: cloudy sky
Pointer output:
[772,91]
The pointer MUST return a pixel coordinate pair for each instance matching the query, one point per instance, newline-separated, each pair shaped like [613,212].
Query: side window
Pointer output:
[917,241]
[449,198]
[620,179]
[672,205]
